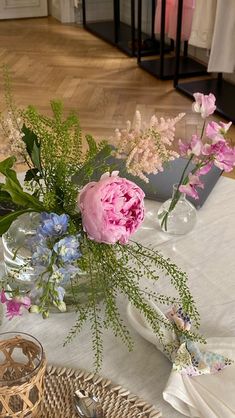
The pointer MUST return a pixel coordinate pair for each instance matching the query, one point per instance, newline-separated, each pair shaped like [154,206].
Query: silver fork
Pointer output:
[88,405]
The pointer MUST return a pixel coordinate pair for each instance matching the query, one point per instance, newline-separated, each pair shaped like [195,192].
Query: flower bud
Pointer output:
[34,309]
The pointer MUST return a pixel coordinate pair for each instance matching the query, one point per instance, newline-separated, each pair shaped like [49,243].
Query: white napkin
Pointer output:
[205,396]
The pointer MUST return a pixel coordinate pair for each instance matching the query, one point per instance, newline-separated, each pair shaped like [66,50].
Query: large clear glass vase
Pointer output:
[17,251]
[177,216]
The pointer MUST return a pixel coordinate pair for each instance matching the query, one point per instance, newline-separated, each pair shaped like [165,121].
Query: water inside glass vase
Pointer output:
[17,248]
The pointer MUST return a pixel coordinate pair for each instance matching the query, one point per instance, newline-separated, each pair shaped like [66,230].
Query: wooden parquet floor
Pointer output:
[50,60]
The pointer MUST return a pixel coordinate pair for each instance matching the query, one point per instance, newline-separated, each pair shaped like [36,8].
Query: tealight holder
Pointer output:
[22,370]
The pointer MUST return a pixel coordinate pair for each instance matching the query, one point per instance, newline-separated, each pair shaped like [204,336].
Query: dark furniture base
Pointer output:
[188,68]
[106,31]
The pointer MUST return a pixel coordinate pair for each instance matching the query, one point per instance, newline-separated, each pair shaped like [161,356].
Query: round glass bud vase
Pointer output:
[17,251]
[177,216]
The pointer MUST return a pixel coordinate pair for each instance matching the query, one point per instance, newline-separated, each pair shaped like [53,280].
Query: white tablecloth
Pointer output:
[207,254]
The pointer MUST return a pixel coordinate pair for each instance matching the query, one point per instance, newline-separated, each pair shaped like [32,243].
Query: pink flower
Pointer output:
[190,188]
[112,209]
[217,131]
[146,148]
[204,104]
[193,147]
[204,169]
[14,305]
[223,155]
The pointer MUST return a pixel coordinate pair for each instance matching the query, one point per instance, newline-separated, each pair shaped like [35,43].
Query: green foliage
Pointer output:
[14,189]
[33,147]
[93,164]
[116,269]
[56,150]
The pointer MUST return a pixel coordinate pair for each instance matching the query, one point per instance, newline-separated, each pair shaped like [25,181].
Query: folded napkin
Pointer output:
[200,384]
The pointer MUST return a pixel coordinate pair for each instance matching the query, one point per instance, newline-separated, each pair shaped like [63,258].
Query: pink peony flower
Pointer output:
[112,209]
[190,188]
[217,131]
[204,104]
[223,155]
[193,147]
[14,305]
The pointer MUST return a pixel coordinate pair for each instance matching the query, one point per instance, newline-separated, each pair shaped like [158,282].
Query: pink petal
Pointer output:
[3,297]
[205,169]
[189,191]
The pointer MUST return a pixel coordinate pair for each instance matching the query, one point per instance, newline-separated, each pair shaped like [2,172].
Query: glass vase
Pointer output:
[17,252]
[177,216]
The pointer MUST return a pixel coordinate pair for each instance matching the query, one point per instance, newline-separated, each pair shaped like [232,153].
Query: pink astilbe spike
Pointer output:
[145,147]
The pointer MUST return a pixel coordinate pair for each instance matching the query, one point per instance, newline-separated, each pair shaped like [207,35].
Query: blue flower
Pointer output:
[42,256]
[35,240]
[59,301]
[64,274]
[68,249]
[53,224]
[60,293]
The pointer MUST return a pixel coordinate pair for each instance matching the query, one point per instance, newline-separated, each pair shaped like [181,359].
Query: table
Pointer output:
[206,254]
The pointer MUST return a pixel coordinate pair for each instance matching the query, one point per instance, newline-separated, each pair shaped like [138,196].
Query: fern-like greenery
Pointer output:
[116,269]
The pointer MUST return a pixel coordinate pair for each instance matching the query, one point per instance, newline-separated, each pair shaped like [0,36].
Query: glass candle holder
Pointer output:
[22,370]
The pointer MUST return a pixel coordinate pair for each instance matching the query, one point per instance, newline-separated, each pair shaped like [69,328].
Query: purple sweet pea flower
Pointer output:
[68,249]
[193,147]
[204,104]
[217,131]
[53,224]
[15,304]
[204,169]
[190,188]
[223,155]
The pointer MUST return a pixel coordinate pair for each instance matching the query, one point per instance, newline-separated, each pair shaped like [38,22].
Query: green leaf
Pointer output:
[36,157]
[6,165]
[4,196]
[5,169]
[20,197]
[32,174]
[13,187]
[96,163]
[29,139]
[32,146]
[6,220]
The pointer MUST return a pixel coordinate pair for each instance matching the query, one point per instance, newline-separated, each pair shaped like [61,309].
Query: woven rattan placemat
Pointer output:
[117,402]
